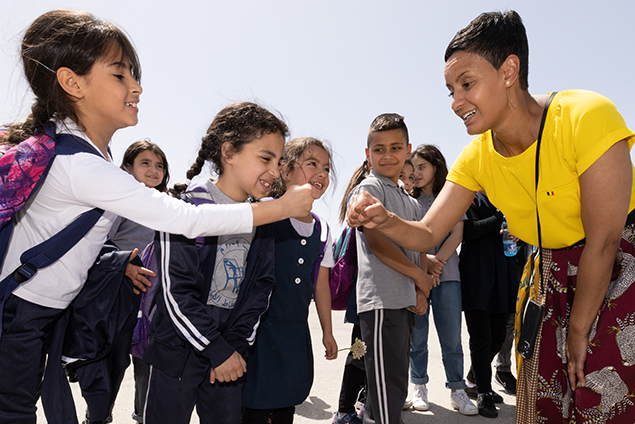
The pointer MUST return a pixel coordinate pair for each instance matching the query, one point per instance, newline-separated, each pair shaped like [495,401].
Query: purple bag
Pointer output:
[344,272]
[21,167]
[147,306]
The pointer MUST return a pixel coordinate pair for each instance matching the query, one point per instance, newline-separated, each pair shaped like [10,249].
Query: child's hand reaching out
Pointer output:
[231,370]
[137,274]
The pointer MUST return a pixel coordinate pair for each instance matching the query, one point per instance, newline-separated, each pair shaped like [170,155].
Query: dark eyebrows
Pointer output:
[461,75]
[269,152]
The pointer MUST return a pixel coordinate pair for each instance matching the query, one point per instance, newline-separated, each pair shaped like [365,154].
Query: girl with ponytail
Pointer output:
[84,74]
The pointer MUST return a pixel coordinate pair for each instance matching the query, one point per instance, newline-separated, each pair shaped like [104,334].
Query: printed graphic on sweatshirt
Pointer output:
[229,270]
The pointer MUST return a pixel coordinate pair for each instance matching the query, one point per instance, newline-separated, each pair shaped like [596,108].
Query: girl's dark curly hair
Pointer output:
[237,124]
[64,38]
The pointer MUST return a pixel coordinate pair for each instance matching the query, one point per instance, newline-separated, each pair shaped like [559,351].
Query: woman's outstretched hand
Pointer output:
[365,210]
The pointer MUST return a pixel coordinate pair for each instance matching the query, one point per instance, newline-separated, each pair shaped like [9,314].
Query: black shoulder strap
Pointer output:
[542,126]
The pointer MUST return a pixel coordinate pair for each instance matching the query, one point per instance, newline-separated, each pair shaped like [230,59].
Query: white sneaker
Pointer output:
[407,404]
[460,401]
[420,398]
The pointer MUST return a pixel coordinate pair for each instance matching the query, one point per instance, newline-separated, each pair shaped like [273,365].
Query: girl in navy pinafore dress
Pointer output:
[280,365]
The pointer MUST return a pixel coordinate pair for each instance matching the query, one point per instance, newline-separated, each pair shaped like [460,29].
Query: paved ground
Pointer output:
[322,401]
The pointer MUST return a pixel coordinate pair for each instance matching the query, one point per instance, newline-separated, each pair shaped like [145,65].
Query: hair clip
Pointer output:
[41,64]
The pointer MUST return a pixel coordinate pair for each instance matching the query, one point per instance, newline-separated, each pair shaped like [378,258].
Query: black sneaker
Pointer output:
[486,405]
[507,380]
[497,398]
[472,393]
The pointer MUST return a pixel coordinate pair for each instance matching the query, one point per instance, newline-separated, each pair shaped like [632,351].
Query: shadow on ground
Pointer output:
[441,414]
[315,408]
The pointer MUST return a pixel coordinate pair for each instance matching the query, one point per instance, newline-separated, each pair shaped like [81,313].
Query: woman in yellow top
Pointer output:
[582,367]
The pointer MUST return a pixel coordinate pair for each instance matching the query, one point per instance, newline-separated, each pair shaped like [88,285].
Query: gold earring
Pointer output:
[507,83]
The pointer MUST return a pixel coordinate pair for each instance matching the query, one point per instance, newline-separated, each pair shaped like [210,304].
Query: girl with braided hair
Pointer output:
[213,290]
[84,73]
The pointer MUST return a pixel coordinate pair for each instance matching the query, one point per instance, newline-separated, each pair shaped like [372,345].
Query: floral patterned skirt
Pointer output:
[544,392]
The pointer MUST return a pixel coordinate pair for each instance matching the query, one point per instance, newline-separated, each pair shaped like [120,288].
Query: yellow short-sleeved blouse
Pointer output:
[580,127]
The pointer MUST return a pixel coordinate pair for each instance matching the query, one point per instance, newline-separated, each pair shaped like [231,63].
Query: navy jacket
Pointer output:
[183,323]
[96,329]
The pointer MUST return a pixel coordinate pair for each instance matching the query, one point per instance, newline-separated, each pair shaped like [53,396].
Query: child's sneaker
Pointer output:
[360,409]
[507,380]
[420,398]
[407,404]
[486,405]
[460,401]
[350,418]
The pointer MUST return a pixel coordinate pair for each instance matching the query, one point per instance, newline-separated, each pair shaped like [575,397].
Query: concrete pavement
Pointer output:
[323,399]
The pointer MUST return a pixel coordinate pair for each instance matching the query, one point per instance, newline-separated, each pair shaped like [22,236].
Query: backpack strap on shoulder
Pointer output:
[323,229]
[51,250]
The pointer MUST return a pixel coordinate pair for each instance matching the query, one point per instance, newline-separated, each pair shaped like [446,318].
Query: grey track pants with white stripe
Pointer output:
[386,333]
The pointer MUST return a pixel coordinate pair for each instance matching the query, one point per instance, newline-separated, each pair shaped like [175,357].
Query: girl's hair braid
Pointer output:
[237,124]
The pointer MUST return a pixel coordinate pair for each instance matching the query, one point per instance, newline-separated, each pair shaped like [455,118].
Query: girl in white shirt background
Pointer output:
[85,74]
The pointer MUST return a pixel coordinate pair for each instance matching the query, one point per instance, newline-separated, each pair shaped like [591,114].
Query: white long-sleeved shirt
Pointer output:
[80,182]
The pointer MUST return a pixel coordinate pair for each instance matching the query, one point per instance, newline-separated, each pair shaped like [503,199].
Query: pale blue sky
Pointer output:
[328,67]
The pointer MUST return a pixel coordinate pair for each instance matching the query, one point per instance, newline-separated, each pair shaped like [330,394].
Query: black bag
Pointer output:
[532,318]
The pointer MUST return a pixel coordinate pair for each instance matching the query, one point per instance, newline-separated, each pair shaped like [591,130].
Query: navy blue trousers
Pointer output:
[171,400]
[27,330]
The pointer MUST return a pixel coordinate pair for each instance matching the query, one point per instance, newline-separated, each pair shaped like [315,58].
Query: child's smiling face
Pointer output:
[147,168]
[109,96]
[313,168]
[387,152]
[252,170]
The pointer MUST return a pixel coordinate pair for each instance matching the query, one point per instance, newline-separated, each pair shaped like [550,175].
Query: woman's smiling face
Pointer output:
[477,89]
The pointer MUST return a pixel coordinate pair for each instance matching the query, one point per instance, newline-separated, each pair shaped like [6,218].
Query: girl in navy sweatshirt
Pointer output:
[214,289]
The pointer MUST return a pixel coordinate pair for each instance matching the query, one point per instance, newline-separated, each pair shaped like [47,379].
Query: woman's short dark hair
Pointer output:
[495,36]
